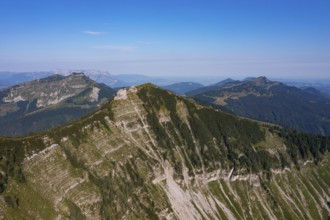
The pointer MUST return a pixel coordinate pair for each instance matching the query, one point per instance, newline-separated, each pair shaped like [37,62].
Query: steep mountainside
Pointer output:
[42,104]
[149,154]
[183,87]
[262,99]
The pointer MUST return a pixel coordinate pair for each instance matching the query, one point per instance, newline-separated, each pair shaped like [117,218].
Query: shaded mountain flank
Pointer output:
[306,110]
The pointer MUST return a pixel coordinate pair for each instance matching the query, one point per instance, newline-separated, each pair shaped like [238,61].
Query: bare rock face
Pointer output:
[151,155]
[121,94]
[94,95]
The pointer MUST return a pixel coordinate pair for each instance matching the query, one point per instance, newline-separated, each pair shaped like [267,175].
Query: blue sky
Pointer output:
[225,38]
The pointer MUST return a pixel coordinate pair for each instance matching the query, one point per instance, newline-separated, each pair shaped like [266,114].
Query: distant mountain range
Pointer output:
[208,88]
[305,108]
[322,86]
[52,101]
[182,88]
[115,81]
[259,98]
[12,78]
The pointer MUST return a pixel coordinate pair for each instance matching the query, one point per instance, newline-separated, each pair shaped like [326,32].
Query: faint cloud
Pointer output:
[144,42]
[123,48]
[95,33]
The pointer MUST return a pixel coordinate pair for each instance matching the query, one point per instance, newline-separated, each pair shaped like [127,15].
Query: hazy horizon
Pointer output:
[216,39]
[168,80]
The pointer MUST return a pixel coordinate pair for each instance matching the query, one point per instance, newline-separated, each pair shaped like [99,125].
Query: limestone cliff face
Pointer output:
[149,154]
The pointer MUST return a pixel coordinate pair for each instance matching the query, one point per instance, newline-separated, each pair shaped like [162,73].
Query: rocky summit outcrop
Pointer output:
[45,103]
[149,154]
